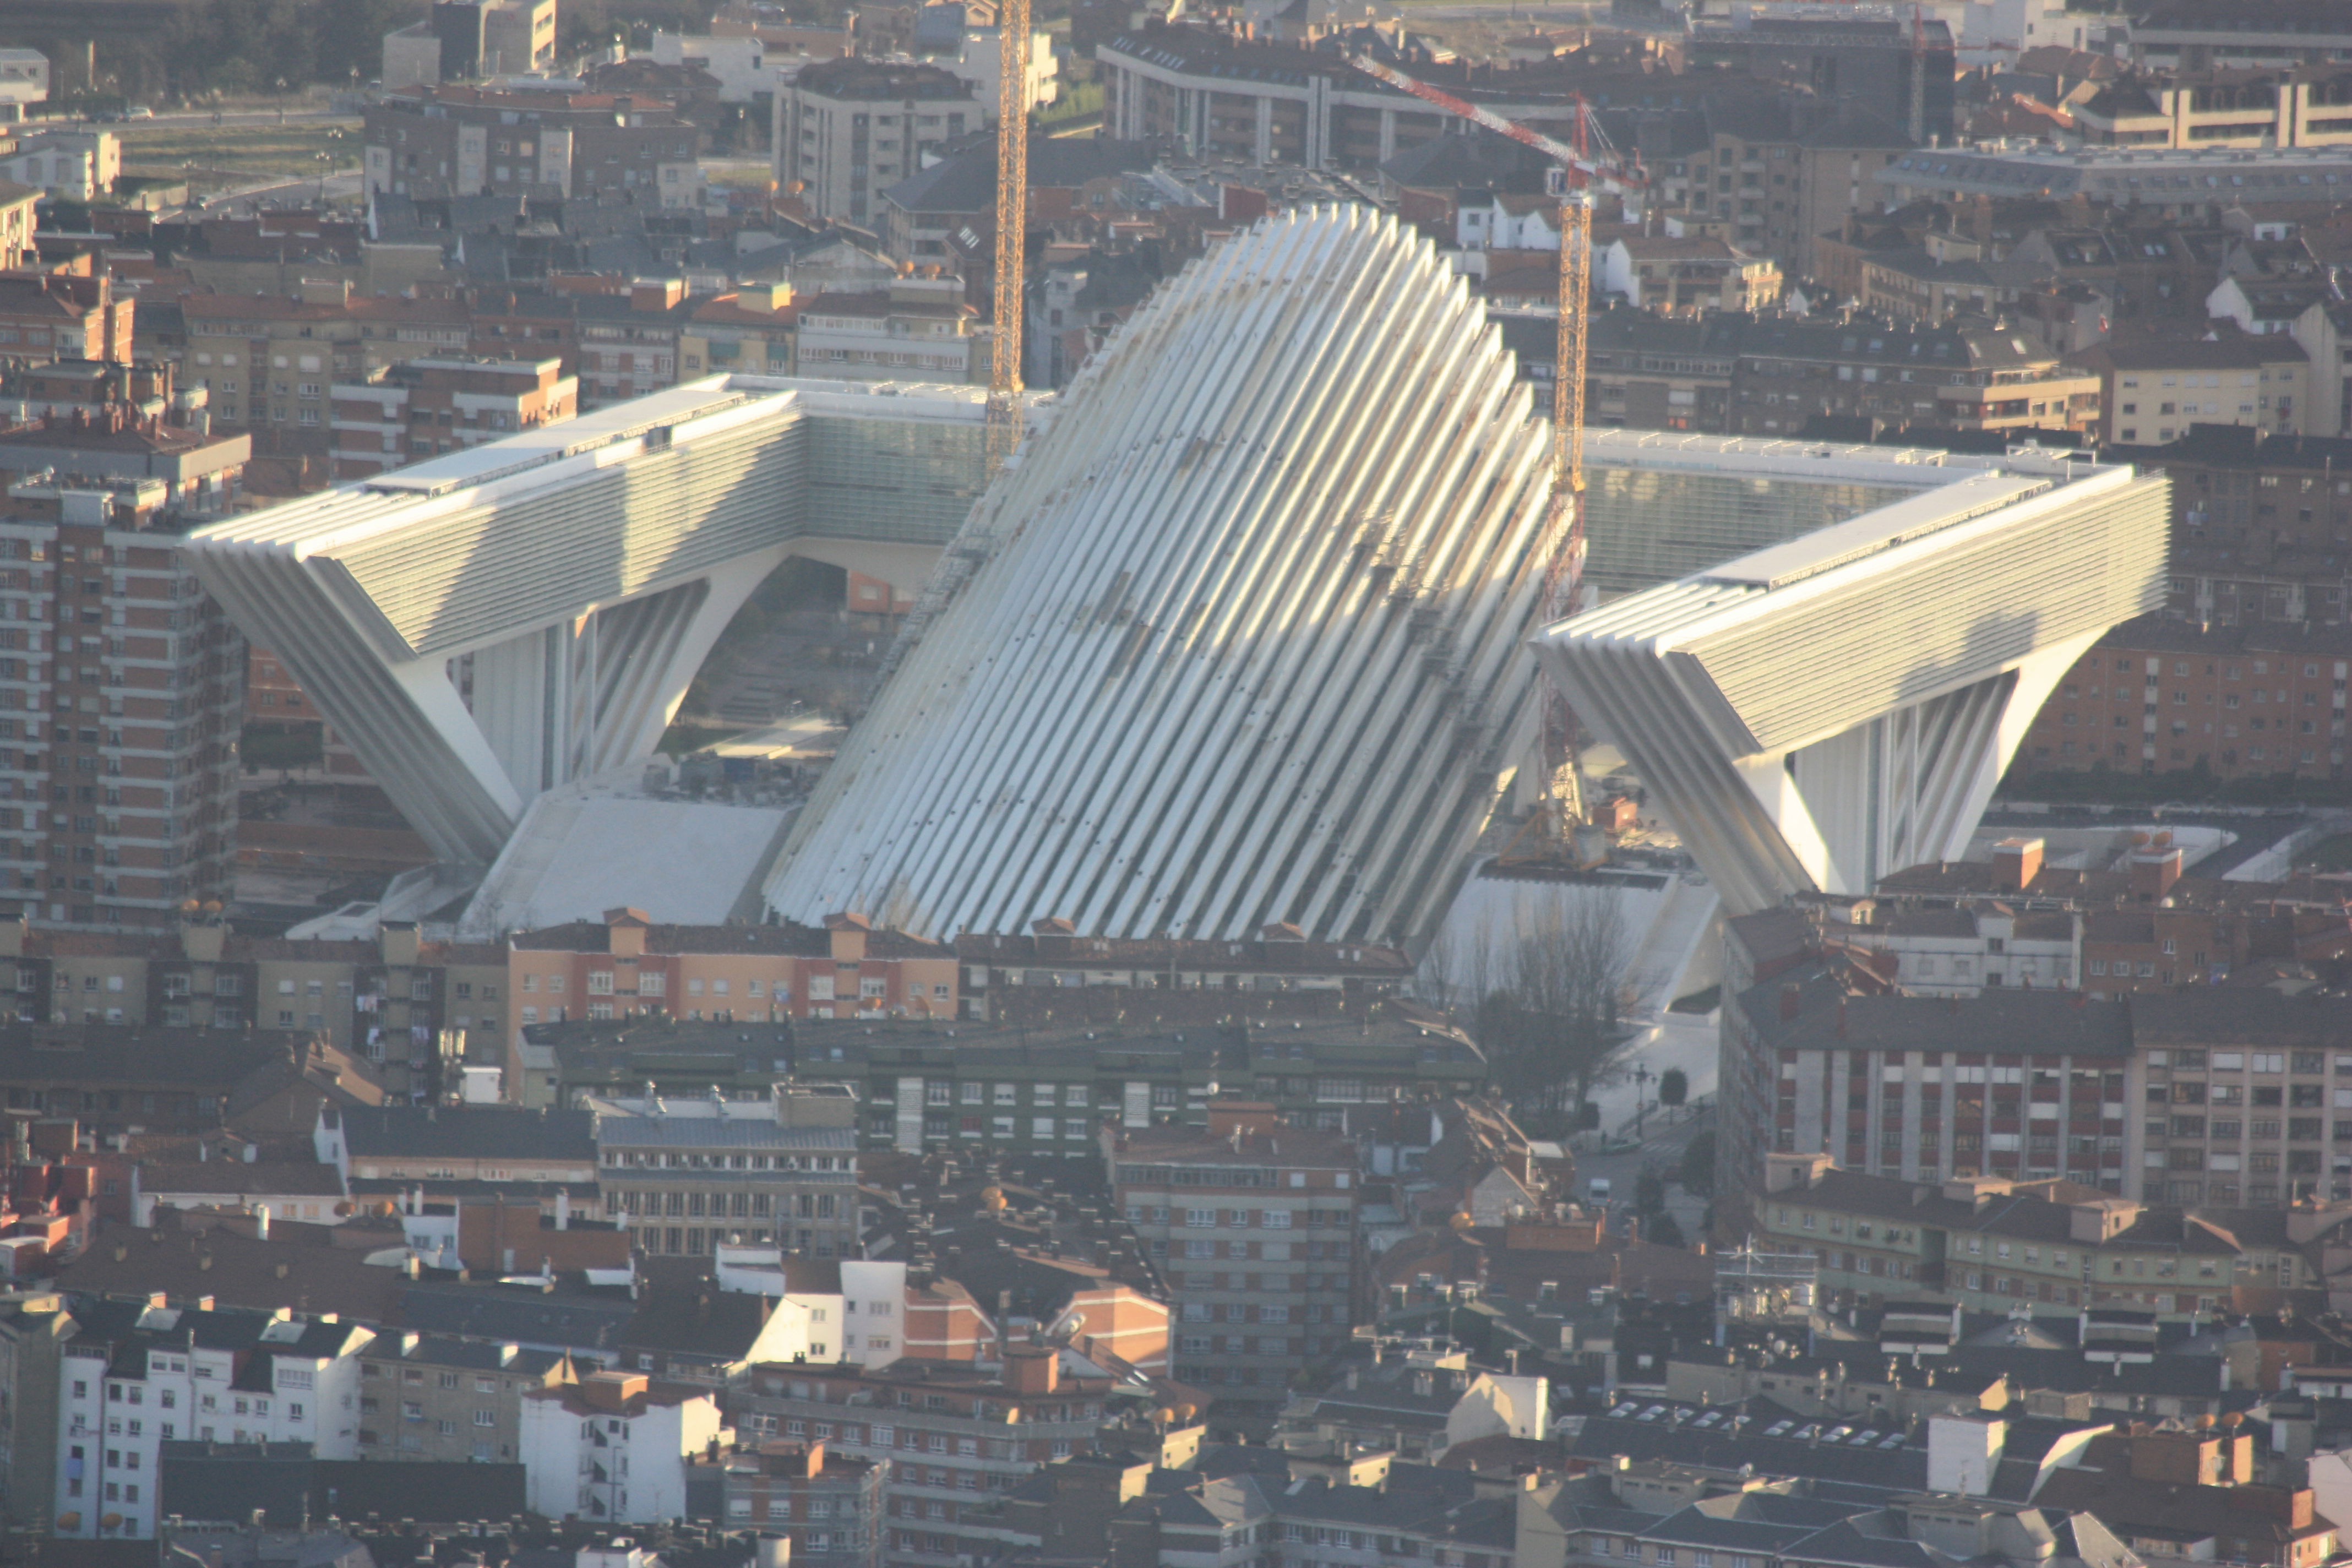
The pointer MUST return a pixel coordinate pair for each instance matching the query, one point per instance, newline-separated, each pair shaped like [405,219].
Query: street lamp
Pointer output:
[281,100]
[1641,1076]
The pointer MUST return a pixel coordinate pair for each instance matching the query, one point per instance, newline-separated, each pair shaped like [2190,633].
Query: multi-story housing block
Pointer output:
[614,1446]
[404,414]
[629,338]
[1954,926]
[2158,693]
[1044,1074]
[47,316]
[1978,376]
[692,1175]
[2260,524]
[1009,976]
[749,330]
[205,976]
[2306,106]
[428,1397]
[2152,390]
[1991,1244]
[631,965]
[479,140]
[136,1375]
[1686,275]
[122,688]
[1253,1224]
[956,1436]
[458,1144]
[269,361]
[1775,182]
[848,128]
[2222,1095]
[920,329]
[828,1505]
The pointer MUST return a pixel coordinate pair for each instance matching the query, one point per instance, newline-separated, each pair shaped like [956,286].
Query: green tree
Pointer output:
[1662,1229]
[1673,1087]
[1649,1193]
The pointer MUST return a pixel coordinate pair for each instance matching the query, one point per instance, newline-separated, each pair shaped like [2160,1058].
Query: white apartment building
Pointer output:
[848,128]
[135,1377]
[614,1447]
[917,330]
[79,165]
[24,81]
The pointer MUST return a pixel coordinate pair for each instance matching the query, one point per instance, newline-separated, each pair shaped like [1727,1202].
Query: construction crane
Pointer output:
[1587,164]
[1004,418]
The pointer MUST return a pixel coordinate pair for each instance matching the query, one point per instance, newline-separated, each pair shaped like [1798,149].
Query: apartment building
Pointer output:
[49,316]
[437,1398]
[631,965]
[1957,926]
[2260,524]
[369,998]
[1008,974]
[1992,1244]
[1645,371]
[1686,275]
[480,141]
[20,206]
[614,1446]
[628,338]
[828,1505]
[270,362]
[2305,106]
[846,128]
[1977,375]
[458,1144]
[2210,1095]
[750,328]
[1777,182]
[687,1176]
[2152,390]
[421,408]
[1253,1224]
[2254,699]
[137,1374]
[472,38]
[918,328]
[1055,1061]
[121,689]
[955,1436]
[76,165]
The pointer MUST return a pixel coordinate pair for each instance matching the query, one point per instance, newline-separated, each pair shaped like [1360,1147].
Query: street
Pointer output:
[1668,1134]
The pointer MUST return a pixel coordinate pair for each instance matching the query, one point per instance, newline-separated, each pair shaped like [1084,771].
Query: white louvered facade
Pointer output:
[484,626]
[1249,646]
[1825,711]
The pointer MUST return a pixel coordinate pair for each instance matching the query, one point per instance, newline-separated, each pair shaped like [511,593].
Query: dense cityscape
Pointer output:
[1033,784]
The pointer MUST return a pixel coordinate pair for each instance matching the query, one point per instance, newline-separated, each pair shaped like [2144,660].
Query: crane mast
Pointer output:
[1004,417]
[1580,171]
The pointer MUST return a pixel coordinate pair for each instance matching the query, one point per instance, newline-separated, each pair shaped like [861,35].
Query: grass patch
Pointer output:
[236,154]
[2329,854]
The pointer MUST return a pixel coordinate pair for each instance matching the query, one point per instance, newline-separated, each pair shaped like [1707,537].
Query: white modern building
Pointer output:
[1248,645]
[614,1447]
[24,81]
[490,624]
[1825,710]
[138,1375]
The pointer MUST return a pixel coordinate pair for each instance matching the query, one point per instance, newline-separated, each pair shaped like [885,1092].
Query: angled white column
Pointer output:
[1819,714]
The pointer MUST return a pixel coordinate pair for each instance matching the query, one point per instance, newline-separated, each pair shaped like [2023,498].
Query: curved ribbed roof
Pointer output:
[1248,647]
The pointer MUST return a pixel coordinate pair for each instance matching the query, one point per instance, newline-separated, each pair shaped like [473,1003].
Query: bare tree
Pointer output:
[1551,1033]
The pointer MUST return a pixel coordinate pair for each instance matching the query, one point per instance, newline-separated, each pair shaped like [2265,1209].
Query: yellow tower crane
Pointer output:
[1004,416]
[1588,166]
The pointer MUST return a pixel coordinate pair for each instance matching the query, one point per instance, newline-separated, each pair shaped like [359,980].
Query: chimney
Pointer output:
[563,1208]
[1033,1369]
[261,1223]
[2154,870]
[2016,862]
